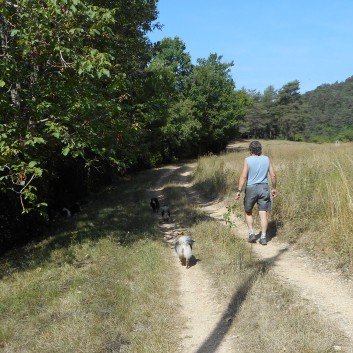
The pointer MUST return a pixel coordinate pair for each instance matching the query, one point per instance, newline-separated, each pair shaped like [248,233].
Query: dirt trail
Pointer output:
[206,326]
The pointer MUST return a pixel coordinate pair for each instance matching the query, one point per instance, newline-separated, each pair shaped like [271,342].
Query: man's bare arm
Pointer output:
[273,180]
[242,179]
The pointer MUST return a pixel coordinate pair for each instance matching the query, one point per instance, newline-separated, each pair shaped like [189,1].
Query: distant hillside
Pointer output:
[328,110]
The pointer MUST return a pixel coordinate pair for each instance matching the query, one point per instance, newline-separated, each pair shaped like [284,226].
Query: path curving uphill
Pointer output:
[326,290]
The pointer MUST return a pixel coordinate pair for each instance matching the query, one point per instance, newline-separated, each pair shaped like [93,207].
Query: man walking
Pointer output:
[254,177]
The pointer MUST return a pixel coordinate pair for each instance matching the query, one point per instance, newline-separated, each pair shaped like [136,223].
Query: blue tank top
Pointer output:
[258,169]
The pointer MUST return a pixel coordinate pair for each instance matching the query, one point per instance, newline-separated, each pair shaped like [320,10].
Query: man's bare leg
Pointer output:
[250,222]
[264,226]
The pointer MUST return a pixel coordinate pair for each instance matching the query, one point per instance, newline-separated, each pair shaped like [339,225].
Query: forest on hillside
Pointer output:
[86,97]
[324,114]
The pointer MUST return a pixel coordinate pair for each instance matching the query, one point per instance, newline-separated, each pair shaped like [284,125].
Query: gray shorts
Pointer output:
[260,194]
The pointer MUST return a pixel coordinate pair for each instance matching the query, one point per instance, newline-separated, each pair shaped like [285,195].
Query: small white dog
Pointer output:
[183,248]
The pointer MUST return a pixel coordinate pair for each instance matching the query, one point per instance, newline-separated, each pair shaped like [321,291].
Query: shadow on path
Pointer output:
[216,337]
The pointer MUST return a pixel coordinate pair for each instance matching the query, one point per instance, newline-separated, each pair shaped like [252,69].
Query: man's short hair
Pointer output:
[255,147]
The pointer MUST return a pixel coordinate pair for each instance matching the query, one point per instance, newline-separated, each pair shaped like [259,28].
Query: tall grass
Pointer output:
[262,315]
[314,207]
[215,176]
[100,282]
[103,281]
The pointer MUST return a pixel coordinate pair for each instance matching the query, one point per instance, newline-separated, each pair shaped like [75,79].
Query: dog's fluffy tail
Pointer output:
[183,248]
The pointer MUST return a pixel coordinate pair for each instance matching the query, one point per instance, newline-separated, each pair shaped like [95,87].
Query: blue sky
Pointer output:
[271,42]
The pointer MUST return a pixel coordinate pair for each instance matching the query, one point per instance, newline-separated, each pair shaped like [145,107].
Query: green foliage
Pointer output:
[290,119]
[171,65]
[65,86]
[321,115]
[83,91]
[319,139]
[193,109]
[345,135]
[217,106]
[275,114]
[182,131]
[257,121]
[328,111]
[168,70]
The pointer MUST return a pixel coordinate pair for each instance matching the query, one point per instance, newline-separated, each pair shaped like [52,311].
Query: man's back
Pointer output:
[258,167]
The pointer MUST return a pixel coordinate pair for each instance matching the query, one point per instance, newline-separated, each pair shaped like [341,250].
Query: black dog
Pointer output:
[154,204]
[165,212]
[68,212]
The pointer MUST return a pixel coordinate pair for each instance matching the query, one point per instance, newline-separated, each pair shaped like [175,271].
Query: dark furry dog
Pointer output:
[183,248]
[75,208]
[165,212]
[154,204]
[67,212]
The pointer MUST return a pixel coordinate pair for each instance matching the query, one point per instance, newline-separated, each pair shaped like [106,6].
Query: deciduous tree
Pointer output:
[71,76]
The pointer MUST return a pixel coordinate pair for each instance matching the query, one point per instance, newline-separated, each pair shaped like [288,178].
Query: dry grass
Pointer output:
[266,316]
[102,282]
[93,285]
[315,204]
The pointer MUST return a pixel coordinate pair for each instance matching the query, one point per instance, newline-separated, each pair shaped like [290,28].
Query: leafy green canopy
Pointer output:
[218,107]
[321,115]
[328,112]
[198,108]
[70,72]
[275,114]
